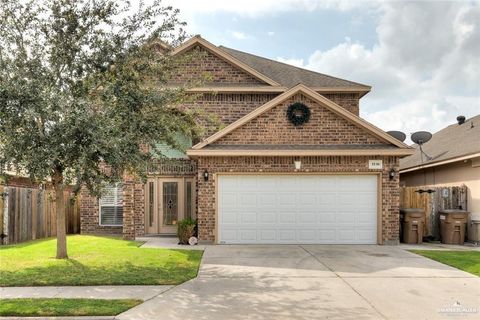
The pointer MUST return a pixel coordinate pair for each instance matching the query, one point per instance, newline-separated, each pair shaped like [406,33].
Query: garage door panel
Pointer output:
[267,199]
[365,234]
[345,218]
[287,200]
[326,183]
[307,235]
[247,182]
[248,217]
[228,201]
[308,199]
[326,198]
[346,234]
[325,235]
[326,218]
[267,234]
[364,218]
[297,209]
[267,217]
[228,234]
[286,218]
[286,235]
[247,234]
[247,200]
[307,218]
[229,218]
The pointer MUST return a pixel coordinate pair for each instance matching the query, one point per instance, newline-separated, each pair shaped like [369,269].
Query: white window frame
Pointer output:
[118,188]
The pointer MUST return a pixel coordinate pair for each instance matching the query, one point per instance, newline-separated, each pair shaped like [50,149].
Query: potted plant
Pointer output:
[186,230]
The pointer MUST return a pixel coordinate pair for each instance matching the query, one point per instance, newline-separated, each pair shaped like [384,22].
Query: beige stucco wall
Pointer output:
[452,174]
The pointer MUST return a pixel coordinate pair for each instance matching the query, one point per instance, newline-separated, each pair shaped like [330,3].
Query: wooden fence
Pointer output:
[432,200]
[27,214]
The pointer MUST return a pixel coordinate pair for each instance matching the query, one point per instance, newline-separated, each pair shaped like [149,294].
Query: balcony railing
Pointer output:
[175,167]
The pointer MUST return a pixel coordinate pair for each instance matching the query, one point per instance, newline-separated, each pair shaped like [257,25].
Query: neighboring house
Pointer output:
[13,178]
[293,164]
[452,158]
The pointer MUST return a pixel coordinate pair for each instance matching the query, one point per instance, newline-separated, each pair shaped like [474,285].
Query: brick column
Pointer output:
[128,210]
[88,212]
[139,209]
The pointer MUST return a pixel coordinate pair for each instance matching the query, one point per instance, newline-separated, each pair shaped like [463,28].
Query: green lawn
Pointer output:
[468,261]
[95,261]
[64,307]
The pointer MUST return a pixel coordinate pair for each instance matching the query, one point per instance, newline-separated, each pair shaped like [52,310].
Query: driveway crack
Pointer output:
[344,281]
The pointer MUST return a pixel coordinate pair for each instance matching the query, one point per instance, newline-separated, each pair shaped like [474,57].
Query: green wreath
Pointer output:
[298,113]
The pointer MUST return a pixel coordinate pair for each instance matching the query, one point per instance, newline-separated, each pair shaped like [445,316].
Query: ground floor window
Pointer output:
[111,206]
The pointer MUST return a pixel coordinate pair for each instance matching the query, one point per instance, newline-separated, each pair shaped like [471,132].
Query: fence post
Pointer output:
[4,215]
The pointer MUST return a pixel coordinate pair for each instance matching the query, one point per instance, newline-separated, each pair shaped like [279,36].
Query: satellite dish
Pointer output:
[399,135]
[421,137]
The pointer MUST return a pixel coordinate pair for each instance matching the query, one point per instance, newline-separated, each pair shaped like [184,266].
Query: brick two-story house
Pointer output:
[294,162]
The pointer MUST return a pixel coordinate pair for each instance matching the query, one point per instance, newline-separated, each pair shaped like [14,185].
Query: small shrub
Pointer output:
[185,230]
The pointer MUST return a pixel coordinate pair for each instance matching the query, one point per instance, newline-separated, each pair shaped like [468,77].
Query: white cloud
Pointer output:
[270,33]
[239,35]
[255,8]
[424,69]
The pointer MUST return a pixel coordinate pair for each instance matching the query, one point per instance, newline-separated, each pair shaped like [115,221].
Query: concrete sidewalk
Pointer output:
[87,292]
[167,243]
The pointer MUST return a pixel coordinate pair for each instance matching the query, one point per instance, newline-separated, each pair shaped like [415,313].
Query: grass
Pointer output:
[468,261]
[95,260]
[64,307]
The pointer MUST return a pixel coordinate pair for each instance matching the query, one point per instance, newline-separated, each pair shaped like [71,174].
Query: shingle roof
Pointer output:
[449,143]
[288,75]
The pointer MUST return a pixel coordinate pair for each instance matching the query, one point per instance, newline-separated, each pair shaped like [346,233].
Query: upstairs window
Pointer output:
[111,206]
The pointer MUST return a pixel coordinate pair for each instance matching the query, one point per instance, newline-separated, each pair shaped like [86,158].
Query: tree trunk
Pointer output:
[60,209]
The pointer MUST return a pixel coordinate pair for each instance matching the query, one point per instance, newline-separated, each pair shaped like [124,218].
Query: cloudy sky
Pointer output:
[421,58]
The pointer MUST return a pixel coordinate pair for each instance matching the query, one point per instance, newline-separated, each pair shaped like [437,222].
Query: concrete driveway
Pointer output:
[316,282]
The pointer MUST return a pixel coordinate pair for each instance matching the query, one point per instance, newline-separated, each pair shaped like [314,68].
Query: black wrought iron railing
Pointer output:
[172,167]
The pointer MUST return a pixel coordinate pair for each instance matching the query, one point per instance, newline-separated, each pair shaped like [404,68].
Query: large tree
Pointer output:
[83,86]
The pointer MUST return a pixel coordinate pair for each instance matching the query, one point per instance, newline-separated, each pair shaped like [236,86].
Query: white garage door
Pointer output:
[326,209]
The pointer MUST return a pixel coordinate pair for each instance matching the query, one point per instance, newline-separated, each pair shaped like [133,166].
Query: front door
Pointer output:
[168,200]
[171,198]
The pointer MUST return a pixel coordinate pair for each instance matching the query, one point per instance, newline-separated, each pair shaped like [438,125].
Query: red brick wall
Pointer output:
[90,216]
[324,127]
[202,65]
[206,189]
[349,101]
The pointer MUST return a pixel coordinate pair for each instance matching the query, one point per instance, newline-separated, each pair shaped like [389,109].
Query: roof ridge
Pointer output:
[292,66]
[456,124]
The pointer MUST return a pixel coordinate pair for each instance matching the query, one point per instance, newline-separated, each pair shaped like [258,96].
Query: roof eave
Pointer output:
[440,163]
[278,89]
[400,152]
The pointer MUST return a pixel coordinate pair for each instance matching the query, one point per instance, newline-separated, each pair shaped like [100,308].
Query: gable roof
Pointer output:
[198,40]
[455,142]
[288,75]
[330,105]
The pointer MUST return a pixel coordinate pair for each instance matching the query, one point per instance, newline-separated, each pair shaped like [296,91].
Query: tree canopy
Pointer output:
[85,83]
